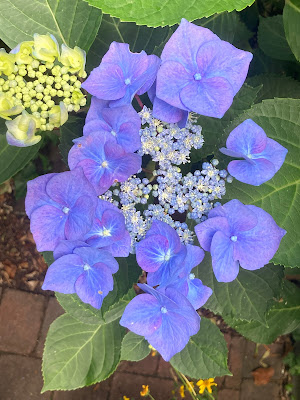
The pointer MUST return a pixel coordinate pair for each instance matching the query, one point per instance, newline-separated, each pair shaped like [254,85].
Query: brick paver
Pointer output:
[230,394]
[147,366]
[235,362]
[20,315]
[21,378]
[249,391]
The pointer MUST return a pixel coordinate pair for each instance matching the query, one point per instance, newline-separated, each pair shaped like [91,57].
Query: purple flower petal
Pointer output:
[121,248]
[92,256]
[152,252]
[150,75]
[255,173]
[209,96]
[275,153]
[94,284]
[95,110]
[63,273]
[80,218]
[65,247]
[36,193]
[239,216]
[206,230]
[167,113]
[225,267]
[142,315]
[247,138]
[162,228]
[254,248]
[198,294]
[47,224]
[217,58]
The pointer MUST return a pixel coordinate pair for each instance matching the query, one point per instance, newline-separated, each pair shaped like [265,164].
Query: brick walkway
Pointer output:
[25,319]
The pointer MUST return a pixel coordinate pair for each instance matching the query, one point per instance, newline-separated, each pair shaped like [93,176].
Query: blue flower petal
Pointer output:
[254,173]
[225,268]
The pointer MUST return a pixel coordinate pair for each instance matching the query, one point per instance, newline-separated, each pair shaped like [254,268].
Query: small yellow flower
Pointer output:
[8,107]
[7,62]
[181,391]
[74,59]
[23,52]
[145,391]
[206,384]
[45,48]
[126,398]
[58,115]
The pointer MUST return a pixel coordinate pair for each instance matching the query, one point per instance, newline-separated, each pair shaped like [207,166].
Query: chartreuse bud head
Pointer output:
[7,63]
[45,48]
[8,107]
[23,53]
[74,59]
[21,130]
[58,115]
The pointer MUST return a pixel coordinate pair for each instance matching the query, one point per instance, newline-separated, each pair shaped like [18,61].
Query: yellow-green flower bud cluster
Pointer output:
[37,78]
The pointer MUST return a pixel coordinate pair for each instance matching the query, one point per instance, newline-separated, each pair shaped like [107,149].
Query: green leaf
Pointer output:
[48,257]
[134,347]
[280,119]
[213,128]
[78,354]
[291,21]
[71,22]
[275,86]
[158,13]
[113,304]
[248,297]
[271,38]
[205,355]
[72,129]
[13,159]
[283,318]
[138,37]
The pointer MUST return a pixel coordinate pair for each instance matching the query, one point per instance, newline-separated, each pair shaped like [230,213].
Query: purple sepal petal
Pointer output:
[80,218]
[36,193]
[231,153]
[150,75]
[275,153]
[63,273]
[151,252]
[167,113]
[65,247]
[194,256]
[225,268]
[254,173]
[256,247]
[92,256]
[121,248]
[206,230]
[47,224]
[94,284]
[95,110]
[198,294]
[162,228]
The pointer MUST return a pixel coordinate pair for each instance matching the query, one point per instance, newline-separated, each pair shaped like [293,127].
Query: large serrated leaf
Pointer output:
[13,159]
[71,22]
[166,12]
[275,86]
[134,347]
[113,304]
[280,119]
[248,297]
[283,318]
[78,354]
[271,38]
[138,37]
[291,21]
[205,355]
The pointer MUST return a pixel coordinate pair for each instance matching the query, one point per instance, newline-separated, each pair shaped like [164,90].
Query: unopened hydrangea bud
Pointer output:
[35,64]
[21,131]
[77,96]
[74,59]
[8,106]
[23,52]
[45,47]
[7,62]
[58,115]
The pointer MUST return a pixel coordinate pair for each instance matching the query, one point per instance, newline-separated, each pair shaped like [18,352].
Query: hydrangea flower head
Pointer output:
[160,253]
[263,156]
[103,160]
[166,320]
[238,234]
[85,271]
[109,231]
[60,206]
[122,74]
[123,123]
[186,283]
[200,72]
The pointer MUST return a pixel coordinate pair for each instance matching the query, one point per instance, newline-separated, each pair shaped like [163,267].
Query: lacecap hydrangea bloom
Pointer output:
[36,78]
[263,156]
[200,72]
[238,235]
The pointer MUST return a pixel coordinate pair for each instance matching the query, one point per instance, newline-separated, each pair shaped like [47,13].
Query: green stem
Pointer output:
[187,384]
[151,397]
[210,395]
